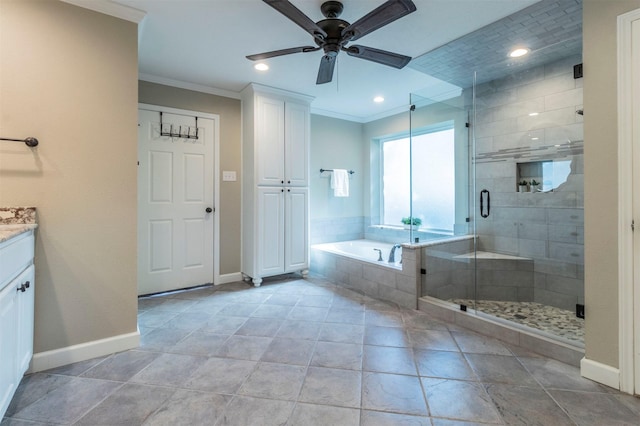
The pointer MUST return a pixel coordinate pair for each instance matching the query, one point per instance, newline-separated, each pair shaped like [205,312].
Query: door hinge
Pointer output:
[633,225]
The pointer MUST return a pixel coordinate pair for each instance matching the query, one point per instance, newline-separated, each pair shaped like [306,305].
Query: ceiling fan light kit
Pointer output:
[333,34]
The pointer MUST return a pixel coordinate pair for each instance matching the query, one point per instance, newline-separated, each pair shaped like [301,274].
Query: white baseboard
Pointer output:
[230,278]
[83,351]
[601,373]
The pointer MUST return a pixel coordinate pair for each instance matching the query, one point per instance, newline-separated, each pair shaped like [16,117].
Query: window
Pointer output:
[433,183]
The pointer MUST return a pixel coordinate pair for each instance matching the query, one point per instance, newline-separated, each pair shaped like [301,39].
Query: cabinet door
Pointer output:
[8,339]
[269,135]
[25,321]
[296,144]
[270,235]
[296,229]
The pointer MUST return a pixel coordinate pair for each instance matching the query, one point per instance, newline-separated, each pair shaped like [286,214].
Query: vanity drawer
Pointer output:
[15,255]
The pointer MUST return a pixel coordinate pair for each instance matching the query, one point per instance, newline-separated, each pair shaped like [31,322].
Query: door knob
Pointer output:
[208,210]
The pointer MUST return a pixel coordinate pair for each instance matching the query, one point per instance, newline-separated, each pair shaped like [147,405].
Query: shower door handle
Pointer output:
[482,196]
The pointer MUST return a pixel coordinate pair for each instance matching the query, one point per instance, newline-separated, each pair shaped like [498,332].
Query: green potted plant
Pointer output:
[522,186]
[534,185]
[411,222]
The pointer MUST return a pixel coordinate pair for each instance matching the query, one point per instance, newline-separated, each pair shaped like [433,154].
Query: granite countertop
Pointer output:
[16,220]
[9,231]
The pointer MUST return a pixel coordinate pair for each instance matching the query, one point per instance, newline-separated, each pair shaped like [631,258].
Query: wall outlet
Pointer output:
[229,176]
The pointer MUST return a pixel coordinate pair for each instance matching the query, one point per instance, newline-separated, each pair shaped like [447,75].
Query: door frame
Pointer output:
[628,276]
[216,175]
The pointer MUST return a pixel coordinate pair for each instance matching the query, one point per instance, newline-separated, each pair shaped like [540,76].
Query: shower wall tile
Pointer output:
[563,233]
[569,286]
[562,134]
[569,98]
[552,298]
[570,253]
[488,292]
[561,66]
[533,231]
[566,216]
[554,84]
[520,214]
[519,109]
[532,248]
[559,117]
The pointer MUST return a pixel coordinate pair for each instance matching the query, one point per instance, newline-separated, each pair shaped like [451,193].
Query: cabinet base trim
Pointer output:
[230,278]
[84,351]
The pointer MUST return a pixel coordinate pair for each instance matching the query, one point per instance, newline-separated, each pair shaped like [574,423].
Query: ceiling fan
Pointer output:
[333,34]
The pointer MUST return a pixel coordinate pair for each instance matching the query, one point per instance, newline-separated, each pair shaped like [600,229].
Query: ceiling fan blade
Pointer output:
[274,53]
[383,57]
[325,72]
[384,14]
[294,14]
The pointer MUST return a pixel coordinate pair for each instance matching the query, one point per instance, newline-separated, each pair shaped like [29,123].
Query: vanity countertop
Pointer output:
[9,231]
[15,221]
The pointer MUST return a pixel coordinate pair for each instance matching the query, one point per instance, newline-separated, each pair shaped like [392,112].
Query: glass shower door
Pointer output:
[441,204]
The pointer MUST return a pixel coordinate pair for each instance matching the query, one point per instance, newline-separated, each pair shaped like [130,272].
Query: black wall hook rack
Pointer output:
[179,134]
[30,142]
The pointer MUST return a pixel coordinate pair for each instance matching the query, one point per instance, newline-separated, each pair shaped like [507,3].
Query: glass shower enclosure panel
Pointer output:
[441,206]
[529,162]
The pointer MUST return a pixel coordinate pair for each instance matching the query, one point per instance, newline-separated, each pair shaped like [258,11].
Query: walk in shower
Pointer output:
[514,154]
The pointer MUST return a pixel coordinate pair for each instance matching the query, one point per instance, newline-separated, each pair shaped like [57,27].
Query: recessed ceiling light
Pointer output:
[533,114]
[534,139]
[261,66]
[378,99]
[516,53]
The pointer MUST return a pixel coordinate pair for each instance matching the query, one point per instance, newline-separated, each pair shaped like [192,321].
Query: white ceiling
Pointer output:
[203,43]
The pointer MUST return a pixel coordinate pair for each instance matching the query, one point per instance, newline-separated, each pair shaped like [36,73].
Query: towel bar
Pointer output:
[330,170]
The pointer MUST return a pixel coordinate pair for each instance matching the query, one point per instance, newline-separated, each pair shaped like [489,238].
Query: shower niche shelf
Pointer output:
[549,174]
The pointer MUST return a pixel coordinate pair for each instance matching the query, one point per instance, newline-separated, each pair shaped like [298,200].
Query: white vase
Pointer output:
[522,188]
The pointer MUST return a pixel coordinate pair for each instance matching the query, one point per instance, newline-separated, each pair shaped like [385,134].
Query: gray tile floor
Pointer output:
[305,352]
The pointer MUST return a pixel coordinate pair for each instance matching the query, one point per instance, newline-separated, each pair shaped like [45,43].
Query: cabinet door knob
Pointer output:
[281,181]
[27,284]
[208,210]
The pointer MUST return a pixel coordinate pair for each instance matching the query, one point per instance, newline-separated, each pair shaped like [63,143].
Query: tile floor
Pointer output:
[305,352]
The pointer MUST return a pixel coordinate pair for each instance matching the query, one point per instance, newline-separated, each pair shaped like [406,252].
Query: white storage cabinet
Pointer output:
[16,313]
[275,203]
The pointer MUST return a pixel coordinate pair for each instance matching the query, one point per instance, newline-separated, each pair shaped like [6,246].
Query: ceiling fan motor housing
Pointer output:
[331,9]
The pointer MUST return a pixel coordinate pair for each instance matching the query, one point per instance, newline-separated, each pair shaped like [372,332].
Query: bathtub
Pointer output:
[365,250]
[355,265]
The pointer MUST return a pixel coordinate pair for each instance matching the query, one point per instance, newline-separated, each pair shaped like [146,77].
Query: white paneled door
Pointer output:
[175,202]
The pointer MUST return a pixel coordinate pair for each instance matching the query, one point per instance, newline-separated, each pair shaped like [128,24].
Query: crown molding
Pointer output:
[189,86]
[110,8]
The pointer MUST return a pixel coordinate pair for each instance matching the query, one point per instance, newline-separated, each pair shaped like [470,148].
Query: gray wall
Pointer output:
[545,227]
[230,121]
[336,144]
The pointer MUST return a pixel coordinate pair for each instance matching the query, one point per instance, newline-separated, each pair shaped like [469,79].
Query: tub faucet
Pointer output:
[392,253]
[379,254]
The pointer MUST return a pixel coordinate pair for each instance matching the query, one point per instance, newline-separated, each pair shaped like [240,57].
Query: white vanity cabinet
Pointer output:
[275,203]
[16,313]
